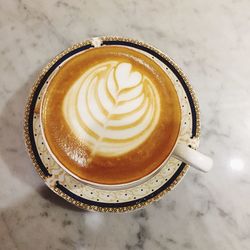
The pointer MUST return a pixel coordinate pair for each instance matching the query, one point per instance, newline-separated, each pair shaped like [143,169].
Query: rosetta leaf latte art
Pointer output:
[112,108]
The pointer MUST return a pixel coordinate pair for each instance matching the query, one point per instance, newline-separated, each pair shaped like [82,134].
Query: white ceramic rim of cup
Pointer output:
[99,185]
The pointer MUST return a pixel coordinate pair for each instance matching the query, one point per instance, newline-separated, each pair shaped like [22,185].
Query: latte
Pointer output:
[110,115]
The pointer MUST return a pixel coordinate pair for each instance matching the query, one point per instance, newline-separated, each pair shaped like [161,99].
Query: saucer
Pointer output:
[91,198]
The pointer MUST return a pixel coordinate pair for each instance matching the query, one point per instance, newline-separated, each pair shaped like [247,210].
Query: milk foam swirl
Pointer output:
[111,108]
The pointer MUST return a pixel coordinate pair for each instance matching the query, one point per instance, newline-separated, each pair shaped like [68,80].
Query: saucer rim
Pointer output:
[31,146]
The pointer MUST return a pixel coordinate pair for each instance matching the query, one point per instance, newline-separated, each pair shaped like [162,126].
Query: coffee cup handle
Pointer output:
[192,157]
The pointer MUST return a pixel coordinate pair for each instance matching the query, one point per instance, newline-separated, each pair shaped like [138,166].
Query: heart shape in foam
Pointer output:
[125,77]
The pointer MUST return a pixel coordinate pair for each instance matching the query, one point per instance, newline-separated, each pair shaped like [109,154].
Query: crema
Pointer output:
[110,115]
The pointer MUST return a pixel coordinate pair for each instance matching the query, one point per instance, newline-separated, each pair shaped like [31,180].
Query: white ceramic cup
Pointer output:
[180,151]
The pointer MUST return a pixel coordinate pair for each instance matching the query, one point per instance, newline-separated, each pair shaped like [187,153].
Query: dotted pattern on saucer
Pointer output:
[117,196]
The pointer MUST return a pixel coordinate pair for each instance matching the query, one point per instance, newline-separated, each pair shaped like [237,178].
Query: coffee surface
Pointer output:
[111,115]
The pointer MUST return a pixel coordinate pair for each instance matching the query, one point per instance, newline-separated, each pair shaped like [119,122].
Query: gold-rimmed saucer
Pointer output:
[85,196]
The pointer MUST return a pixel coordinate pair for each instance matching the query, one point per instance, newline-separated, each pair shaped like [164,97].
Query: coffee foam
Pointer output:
[112,108]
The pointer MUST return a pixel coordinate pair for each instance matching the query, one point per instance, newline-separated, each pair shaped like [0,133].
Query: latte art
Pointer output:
[112,108]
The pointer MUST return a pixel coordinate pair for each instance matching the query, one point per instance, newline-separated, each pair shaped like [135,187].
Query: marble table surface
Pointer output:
[211,43]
